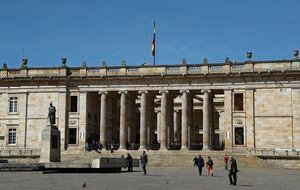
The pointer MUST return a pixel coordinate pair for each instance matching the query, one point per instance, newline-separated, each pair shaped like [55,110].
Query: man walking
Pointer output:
[144,161]
[233,171]
[129,162]
[200,164]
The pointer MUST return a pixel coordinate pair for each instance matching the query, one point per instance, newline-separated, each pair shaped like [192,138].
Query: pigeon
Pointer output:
[84,185]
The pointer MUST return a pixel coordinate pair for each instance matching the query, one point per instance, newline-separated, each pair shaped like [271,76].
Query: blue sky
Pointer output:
[112,31]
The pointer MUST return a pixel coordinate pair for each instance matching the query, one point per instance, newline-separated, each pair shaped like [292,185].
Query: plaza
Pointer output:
[157,178]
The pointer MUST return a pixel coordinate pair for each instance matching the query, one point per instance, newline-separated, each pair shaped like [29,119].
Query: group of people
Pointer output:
[199,162]
[230,166]
[94,145]
[229,161]
[97,146]
[143,160]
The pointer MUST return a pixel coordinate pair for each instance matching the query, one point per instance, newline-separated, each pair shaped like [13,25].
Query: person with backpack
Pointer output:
[226,159]
[209,165]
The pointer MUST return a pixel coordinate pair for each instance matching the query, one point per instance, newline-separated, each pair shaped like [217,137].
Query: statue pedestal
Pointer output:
[50,145]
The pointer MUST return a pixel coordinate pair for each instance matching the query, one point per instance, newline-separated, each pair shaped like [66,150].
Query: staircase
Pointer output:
[288,162]
[164,158]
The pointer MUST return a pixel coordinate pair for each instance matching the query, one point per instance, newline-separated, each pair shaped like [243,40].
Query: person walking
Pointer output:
[129,162]
[200,164]
[226,159]
[233,171]
[112,147]
[195,161]
[144,161]
[209,165]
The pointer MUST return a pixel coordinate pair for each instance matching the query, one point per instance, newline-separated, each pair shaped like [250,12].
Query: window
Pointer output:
[238,102]
[74,103]
[72,135]
[12,136]
[13,104]
[239,136]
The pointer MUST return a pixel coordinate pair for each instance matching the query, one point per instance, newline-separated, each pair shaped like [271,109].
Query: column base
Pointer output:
[184,148]
[121,148]
[205,148]
[142,148]
[163,149]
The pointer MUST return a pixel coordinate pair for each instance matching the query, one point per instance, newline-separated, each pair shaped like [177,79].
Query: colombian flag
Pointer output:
[153,41]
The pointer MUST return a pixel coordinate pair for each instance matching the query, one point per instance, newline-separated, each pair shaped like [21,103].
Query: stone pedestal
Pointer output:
[50,145]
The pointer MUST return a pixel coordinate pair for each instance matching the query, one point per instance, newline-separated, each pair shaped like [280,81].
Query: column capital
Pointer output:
[102,92]
[206,91]
[163,92]
[123,92]
[185,91]
[143,92]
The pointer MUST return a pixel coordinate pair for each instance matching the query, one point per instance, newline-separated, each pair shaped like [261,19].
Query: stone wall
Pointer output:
[30,119]
[296,117]
[273,118]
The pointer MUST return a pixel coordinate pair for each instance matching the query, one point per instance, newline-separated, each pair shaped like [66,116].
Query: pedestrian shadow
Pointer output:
[154,175]
[217,176]
[212,176]
[245,185]
[130,172]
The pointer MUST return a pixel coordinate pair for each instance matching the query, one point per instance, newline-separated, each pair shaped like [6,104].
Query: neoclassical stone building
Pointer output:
[245,105]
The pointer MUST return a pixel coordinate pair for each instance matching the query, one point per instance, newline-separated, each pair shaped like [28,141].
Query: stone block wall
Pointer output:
[273,118]
[296,117]
[31,117]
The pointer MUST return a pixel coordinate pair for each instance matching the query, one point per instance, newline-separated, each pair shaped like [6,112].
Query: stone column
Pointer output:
[177,127]
[186,117]
[158,126]
[82,118]
[131,116]
[123,120]
[206,120]
[143,120]
[150,121]
[170,122]
[164,120]
[228,118]
[103,118]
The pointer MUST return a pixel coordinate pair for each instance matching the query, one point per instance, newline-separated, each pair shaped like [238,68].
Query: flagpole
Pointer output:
[154,59]
[153,43]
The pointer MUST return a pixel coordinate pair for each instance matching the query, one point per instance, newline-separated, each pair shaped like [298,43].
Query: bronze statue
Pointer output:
[51,115]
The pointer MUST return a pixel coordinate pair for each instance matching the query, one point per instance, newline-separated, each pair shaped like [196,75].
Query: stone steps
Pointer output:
[282,163]
[166,158]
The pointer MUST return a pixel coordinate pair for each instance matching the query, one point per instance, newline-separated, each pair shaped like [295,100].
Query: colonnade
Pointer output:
[167,116]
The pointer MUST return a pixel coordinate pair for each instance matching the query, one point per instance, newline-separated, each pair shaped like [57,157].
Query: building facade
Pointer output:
[243,106]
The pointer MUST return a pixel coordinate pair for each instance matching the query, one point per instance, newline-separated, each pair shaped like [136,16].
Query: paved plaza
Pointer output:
[157,178]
